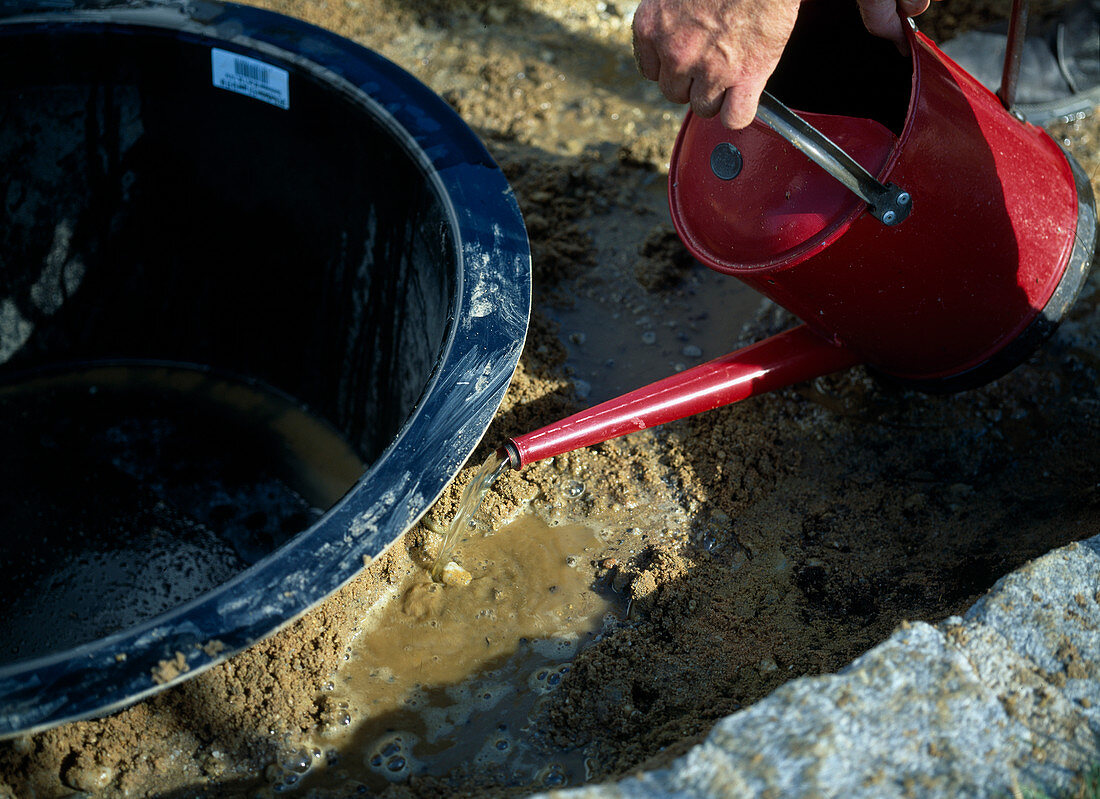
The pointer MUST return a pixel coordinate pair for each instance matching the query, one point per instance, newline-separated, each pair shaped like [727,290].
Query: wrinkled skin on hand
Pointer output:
[718,54]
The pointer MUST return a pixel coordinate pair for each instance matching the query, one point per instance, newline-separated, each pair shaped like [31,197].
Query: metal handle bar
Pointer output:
[1014,50]
[888,203]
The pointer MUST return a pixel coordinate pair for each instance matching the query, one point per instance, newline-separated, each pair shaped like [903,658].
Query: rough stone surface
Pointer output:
[1004,698]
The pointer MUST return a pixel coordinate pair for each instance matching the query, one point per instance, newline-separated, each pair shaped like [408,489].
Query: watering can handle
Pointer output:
[1014,49]
[887,203]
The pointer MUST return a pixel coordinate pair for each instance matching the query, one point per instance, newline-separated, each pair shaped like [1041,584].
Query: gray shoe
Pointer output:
[1059,70]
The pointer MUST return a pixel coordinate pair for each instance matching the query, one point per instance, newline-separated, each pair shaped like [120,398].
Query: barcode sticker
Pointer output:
[250,77]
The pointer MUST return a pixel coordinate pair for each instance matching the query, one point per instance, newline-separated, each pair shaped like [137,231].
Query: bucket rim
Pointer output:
[484,336]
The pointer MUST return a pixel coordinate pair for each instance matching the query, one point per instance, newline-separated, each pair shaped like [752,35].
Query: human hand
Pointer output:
[718,54]
[715,54]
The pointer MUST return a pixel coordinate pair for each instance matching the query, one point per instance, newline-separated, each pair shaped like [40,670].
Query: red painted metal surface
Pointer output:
[790,357]
[781,207]
[989,237]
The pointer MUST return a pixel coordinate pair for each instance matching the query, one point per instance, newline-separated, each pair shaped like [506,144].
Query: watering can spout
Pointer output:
[790,357]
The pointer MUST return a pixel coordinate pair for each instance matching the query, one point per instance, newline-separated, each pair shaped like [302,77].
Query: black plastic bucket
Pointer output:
[214,205]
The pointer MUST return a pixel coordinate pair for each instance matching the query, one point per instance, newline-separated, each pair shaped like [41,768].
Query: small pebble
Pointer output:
[767,665]
[453,574]
[93,778]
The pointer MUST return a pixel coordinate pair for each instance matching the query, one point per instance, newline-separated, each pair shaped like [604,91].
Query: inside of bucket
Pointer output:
[215,312]
[866,76]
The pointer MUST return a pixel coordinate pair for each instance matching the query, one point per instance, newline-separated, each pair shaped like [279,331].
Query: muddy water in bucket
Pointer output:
[136,487]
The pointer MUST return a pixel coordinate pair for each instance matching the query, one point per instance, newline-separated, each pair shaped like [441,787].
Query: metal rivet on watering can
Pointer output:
[726,161]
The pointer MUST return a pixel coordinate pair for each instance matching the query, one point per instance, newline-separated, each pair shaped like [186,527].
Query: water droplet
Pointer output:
[574,488]
[501,744]
[649,337]
[395,763]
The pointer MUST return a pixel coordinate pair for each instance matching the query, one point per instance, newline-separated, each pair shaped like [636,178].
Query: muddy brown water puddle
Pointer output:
[126,490]
[447,680]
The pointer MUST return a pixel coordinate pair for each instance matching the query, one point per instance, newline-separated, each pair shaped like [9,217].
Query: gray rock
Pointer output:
[1004,698]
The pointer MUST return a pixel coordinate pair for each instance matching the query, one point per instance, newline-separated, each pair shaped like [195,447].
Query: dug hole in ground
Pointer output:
[717,559]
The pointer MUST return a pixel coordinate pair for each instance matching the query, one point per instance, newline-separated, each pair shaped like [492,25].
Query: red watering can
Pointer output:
[939,255]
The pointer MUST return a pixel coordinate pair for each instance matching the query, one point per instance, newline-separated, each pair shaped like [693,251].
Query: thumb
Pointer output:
[739,104]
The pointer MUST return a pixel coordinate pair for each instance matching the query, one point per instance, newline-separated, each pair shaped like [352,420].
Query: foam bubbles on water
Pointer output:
[384,673]
[515,638]
[416,699]
[560,647]
[288,772]
[479,695]
[391,756]
[573,489]
[299,760]
[545,679]
[497,750]
[553,776]
[467,699]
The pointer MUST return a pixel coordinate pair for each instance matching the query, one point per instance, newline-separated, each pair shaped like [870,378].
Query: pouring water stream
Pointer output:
[472,496]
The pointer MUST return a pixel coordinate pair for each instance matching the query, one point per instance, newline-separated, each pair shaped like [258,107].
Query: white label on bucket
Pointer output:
[250,77]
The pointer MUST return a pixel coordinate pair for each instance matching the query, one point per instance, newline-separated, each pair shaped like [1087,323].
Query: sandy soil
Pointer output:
[753,544]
